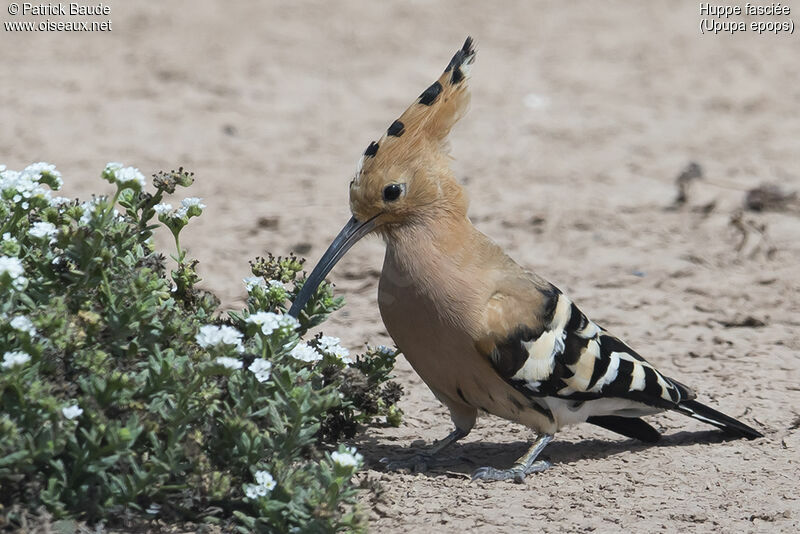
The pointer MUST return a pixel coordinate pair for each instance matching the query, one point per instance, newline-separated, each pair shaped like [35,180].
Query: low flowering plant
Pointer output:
[125,395]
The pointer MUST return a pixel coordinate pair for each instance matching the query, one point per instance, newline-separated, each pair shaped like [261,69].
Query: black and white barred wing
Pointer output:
[576,371]
[567,356]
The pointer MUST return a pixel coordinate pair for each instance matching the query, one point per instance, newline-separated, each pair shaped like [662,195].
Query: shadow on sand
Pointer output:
[465,458]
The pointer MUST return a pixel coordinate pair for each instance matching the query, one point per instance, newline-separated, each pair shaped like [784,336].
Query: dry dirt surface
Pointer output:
[584,115]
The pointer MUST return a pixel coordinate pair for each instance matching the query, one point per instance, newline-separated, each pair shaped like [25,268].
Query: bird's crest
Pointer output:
[425,124]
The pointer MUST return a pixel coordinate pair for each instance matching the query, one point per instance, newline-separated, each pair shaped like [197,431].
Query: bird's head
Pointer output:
[404,178]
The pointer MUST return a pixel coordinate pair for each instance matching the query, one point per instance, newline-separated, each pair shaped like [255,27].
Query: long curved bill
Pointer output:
[352,232]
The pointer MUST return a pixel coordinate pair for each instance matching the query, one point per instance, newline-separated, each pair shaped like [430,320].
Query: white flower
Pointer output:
[211,336]
[275,284]
[43,229]
[36,170]
[131,174]
[59,201]
[23,324]
[349,458]
[251,491]
[383,349]
[329,342]
[9,244]
[264,478]
[115,172]
[304,353]
[261,368]
[13,267]
[288,322]
[88,209]
[230,363]
[332,345]
[342,353]
[153,509]
[264,484]
[162,208]
[24,186]
[165,209]
[252,282]
[71,412]
[12,359]
[193,201]
[268,321]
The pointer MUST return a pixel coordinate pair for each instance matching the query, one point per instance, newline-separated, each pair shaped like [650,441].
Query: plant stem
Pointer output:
[181,255]
[12,221]
[107,291]
[113,203]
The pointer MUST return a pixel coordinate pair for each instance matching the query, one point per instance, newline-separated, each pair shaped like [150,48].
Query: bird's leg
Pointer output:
[526,465]
[421,461]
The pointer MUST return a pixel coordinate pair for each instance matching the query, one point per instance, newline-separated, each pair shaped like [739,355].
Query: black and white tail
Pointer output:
[703,413]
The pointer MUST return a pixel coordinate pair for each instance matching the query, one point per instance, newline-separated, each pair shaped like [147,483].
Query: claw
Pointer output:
[516,473]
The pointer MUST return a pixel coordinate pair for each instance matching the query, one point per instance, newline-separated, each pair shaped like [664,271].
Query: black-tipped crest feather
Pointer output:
[429,117]
[464,56]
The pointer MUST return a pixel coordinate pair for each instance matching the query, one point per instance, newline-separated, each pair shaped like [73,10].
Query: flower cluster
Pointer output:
[9,246]
[15,358]
[43,230]
[12,272]
[23,324]
[332,346]
[190,207]
[385,351]
[263,292]
[25,188]
[252,282]
[124,177]
[228,362]
[305,353]
[71,412]
[176,219]
[347,457]
[213,336]
[89,210]
[270,322]
[264,485]
[261,368]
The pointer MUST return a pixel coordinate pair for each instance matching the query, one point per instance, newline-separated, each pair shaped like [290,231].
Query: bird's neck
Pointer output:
[439,262]
[446,237]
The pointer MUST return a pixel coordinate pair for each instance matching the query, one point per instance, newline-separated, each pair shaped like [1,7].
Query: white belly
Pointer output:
[567,412]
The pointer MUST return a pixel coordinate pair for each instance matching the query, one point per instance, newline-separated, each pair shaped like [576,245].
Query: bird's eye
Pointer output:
[392,192]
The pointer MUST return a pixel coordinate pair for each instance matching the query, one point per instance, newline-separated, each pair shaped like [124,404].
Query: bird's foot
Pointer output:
[516,473]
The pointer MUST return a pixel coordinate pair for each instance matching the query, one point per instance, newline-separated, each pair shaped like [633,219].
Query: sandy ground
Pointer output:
[583,115]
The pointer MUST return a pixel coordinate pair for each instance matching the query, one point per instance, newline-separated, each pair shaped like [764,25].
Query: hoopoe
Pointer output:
[481,331]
